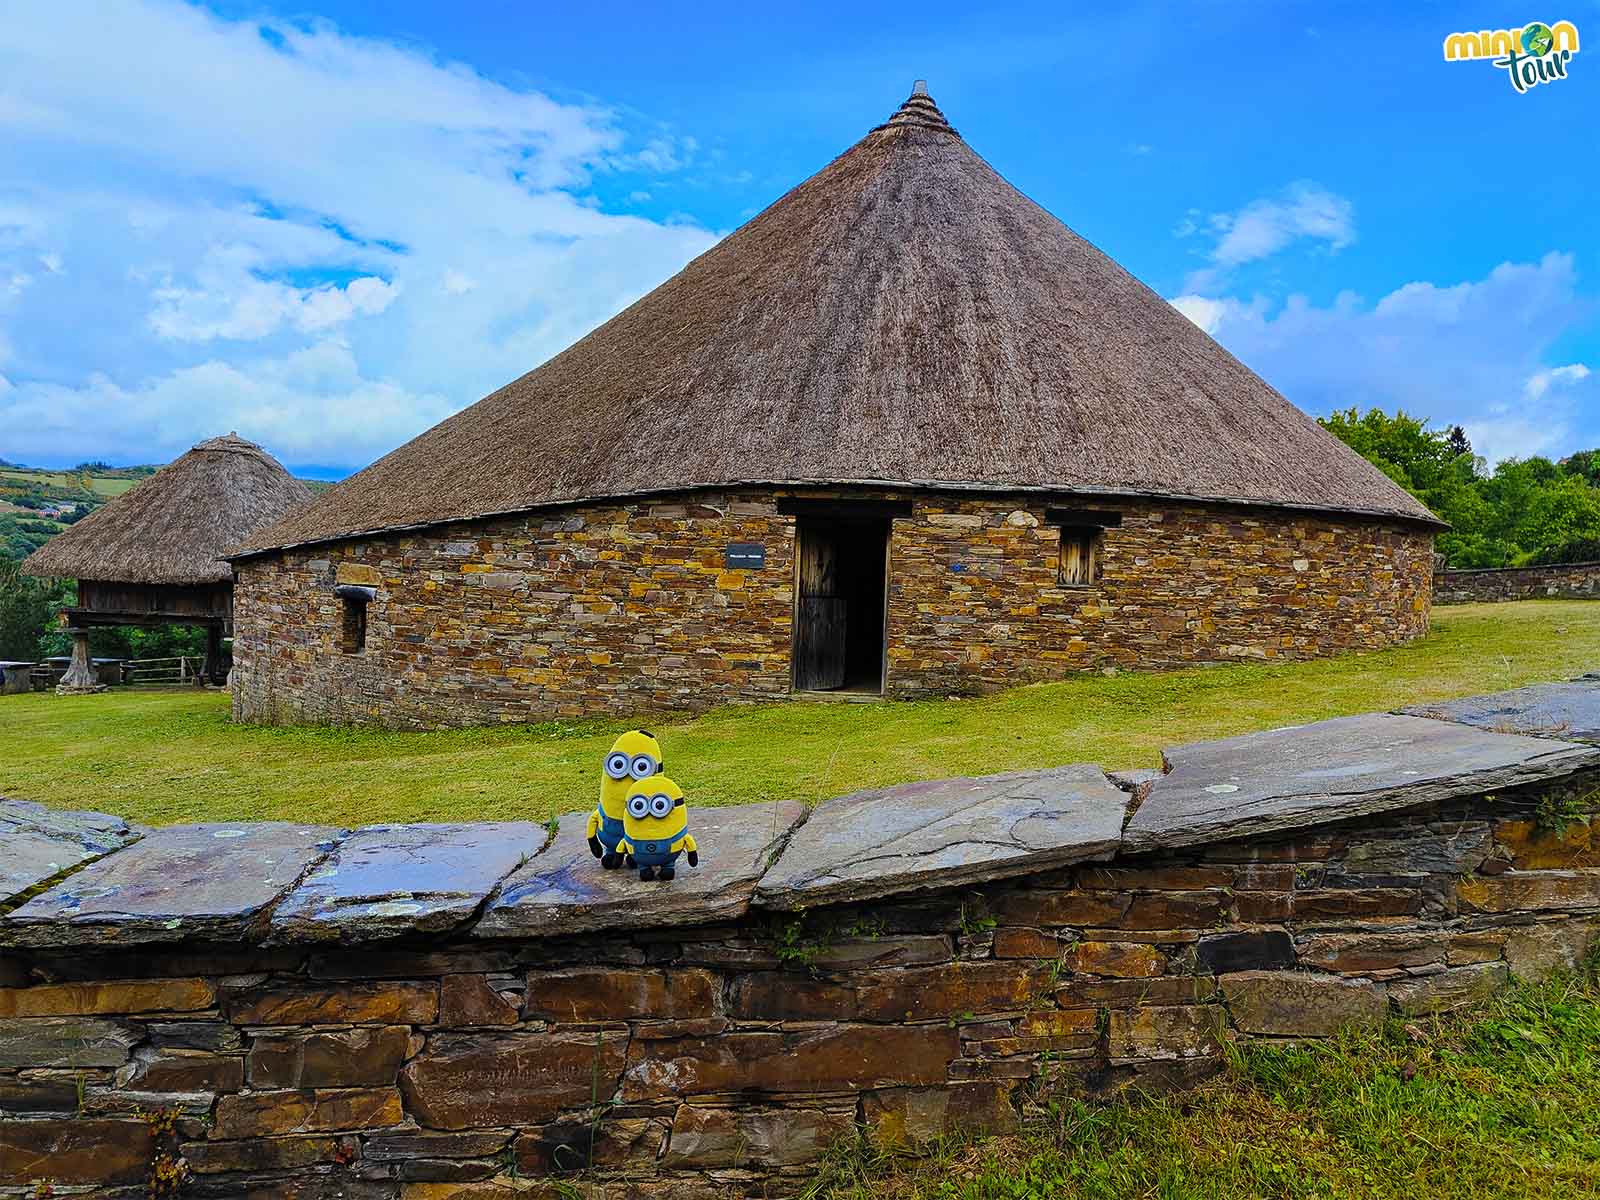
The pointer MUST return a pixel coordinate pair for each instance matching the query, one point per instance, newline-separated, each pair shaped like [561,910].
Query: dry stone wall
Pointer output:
[974,602]
[1568,581]
[464,1012]
[626,607]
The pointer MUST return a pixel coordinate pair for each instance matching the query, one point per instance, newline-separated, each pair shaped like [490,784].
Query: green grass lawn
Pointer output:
[1501,1101]
[164,756]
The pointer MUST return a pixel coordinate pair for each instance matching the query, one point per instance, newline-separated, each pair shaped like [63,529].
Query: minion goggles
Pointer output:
[656,806]
[641,766]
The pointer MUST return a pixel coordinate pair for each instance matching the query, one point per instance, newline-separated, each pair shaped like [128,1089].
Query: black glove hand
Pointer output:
[694,858]
[596,848]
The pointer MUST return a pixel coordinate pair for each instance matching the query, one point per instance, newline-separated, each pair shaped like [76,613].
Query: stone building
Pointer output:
[902,433]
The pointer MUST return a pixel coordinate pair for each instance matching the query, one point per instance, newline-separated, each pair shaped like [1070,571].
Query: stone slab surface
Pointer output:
[1569,711]
[38,843]
[1305,775]
[946,833]
[60,1042]
[565,889]
[202,882]
[387,881]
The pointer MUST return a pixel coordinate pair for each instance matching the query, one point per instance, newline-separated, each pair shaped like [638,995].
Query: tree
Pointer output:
[27,612]
[1585,463]
[1524,511]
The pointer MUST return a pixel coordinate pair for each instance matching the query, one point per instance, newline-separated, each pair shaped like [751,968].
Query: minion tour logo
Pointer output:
[1537,53]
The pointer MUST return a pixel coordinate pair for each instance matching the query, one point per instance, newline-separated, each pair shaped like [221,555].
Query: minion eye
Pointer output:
[617,765]
[642,766]
[660,805]
[639,806]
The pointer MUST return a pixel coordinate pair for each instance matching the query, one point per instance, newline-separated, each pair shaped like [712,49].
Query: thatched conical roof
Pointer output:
[173,527]
[905,316]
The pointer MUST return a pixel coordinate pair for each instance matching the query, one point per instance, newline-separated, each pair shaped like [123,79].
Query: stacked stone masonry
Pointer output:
[540,1025]
[1559,581]
[624,607]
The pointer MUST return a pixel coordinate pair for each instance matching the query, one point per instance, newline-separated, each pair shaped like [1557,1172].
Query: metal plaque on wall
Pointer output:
[747,556]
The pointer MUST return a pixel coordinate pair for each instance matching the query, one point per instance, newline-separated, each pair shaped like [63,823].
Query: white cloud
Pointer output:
[1264,227]
[1204,311]
[239,201]
[1541,382]
[1301,212]
[239,306]
[299,404]
[1470,353]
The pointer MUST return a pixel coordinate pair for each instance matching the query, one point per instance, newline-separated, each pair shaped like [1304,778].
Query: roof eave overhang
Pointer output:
[209,580]
[925,485]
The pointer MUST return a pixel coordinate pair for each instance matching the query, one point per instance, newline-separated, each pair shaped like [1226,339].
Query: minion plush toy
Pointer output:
[656,828]
[633,757]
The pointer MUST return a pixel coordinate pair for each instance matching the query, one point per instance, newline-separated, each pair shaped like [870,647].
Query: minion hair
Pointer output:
[647,733]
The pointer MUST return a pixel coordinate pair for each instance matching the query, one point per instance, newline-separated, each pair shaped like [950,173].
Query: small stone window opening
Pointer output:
[1080,556]
[1082,540]
[353,613]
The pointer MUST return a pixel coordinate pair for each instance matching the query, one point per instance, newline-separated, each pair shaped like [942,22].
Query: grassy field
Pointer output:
[174,755]
[1497,1102]
[104,486]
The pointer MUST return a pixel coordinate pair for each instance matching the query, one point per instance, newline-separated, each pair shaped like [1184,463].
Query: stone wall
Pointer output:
[974,603]
[631,607]
[267,1010]
[1569,581]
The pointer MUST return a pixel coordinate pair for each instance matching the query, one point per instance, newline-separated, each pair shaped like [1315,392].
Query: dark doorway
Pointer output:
[840,570]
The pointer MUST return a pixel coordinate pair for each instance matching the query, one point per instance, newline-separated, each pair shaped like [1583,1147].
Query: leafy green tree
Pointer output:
[27,612]
[1524,511]
[1585,463]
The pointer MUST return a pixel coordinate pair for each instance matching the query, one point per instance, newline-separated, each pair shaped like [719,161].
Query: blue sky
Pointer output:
[330,227]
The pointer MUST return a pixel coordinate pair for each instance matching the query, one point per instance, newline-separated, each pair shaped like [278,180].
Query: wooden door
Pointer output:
[821,631]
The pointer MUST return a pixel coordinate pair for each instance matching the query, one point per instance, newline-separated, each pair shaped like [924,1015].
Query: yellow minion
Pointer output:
[633,757]
[656,828]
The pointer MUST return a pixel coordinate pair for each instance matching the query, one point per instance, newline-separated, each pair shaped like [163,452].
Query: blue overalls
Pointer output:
[610,830]
[658,853]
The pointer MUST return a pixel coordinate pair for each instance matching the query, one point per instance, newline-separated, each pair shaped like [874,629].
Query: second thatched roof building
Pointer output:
[903,433]
[154,555]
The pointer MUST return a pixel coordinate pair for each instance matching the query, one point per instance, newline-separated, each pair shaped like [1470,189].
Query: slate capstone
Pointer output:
[290,882]
[181,882]
[388,881]
[944,833]
[565,890]
[39,843]
[1306,775]
[1570,711]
